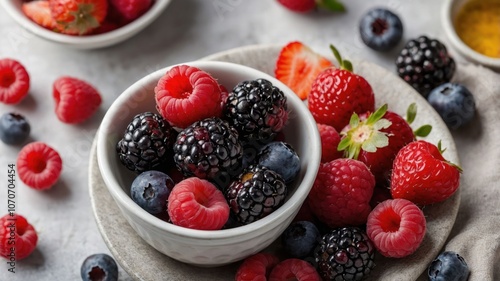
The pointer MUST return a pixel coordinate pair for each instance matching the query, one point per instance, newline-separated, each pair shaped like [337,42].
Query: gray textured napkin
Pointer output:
[476,233]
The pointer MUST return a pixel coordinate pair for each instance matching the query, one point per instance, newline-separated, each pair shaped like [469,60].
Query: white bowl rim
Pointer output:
[99,39]
[125,200]
[449,29]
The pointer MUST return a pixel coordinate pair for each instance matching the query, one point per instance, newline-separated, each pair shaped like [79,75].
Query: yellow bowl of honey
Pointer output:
[473,28]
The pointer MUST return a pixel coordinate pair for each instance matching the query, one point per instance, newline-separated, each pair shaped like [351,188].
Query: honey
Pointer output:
[478,25]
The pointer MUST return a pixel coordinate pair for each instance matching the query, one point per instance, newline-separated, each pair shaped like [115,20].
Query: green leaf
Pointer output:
[343,144]
[440,148]
[411,113]
[353,152]
[332,5]
[347,65]
[354,122]
[336,54]
[382,124]
[423,131]
[377,115]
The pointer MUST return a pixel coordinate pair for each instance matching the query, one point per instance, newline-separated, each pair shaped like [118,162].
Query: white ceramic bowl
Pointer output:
[449,12]
[201,247]
[13,8]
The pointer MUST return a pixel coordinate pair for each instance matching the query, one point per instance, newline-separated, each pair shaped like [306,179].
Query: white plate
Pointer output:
[143,262]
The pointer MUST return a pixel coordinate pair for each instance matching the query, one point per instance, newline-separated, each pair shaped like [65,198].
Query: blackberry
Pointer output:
[257,109]
[344,254]
[256,193]
[146,143]
[209,149]
[425,64]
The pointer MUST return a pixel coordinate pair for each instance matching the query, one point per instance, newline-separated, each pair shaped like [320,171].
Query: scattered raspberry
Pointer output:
[16,229]
[256,267]
[330,139]
[186,94]
[131,9]
[39,165]
[421,174]
[396,227]
[198,204]
[39,12]
[341,193]
[76,100]
[14,81]
[294,269]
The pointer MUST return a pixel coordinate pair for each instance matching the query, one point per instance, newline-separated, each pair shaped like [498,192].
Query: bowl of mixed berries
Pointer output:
[209,161]
[84,24]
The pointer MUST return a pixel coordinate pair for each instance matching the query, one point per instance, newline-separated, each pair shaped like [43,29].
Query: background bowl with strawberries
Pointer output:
[106,34]
[202,247]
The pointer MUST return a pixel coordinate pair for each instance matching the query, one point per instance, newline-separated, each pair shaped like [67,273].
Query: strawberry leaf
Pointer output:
[347,65]
[411,113]
[343,144]
[354,122]
[377,115]
[331,5]
[423,131]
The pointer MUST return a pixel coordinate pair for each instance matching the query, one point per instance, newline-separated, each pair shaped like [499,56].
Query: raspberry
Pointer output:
[341,193]
[14,81]
[396,227]
[16,228]
[256,267]
[131,9]
[198,204]
[330,139]
[75,99]
[186,94]
[294,269]
[39,165]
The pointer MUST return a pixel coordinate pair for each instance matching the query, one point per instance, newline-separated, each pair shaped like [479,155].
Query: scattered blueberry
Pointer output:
[454,102]
[381,29]
[14,128]
[448,266]
[300,238]
[281,158]
[99,267]
[150,190]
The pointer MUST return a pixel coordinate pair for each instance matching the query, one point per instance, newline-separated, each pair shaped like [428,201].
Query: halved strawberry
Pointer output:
[297,67]
[78,17]
[39,12]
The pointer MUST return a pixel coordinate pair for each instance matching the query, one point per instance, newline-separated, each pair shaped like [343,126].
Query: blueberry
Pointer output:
[381,29]
[300,238]
[99,267]
[281,158]
[14,128]
[150,190]
[454,103]
[448,266]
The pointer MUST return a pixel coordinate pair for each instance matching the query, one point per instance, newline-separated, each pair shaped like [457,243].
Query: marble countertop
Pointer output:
[186,31]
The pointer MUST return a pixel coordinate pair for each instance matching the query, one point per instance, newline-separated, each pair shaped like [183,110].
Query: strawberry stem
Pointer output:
[343,64]
[331,5]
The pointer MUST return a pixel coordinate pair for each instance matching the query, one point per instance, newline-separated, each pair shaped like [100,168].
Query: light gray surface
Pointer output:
[189,29]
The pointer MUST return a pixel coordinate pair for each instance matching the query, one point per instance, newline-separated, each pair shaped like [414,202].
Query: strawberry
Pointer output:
[131,9]
[338,93]
[78,17]
[39,12]
[297,67]
[375,139]
[421,174]
[302,6]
